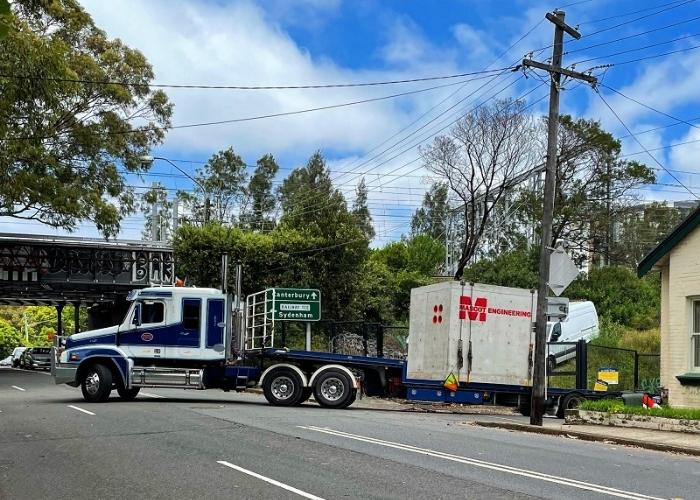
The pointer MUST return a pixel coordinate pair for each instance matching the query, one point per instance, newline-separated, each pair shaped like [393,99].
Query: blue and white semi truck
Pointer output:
[201,338]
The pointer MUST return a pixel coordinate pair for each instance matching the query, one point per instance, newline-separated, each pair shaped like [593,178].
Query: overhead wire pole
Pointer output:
[555,70]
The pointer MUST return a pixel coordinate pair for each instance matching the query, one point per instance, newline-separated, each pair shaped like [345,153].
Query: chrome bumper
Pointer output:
[63,373]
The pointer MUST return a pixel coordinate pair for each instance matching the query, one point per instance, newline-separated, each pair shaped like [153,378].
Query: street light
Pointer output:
[148,160]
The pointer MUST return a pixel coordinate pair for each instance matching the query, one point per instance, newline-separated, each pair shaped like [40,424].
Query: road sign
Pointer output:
[562,271]
[294,304]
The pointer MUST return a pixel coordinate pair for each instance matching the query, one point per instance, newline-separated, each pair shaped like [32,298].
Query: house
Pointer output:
[677,258]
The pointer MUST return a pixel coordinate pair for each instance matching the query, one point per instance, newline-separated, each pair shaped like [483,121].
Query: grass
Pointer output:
[616,406]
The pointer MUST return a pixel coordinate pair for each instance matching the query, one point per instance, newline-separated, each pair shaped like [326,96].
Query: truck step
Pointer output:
[187,378]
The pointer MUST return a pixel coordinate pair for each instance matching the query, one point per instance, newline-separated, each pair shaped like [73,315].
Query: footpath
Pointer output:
[675,442]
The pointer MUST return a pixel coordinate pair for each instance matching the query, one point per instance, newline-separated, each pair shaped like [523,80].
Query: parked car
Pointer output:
[36,357]
[6,361]
[16,354]
[580,324]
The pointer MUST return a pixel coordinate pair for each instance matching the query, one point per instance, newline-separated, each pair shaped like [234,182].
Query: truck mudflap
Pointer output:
[63,373]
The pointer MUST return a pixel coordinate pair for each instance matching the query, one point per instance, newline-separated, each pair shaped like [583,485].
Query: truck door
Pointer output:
[145,334]
[185,336]
[216,324]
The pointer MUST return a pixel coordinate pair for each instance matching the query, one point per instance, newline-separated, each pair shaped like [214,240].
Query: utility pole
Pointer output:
[154,224]
[207,208]
[555,70]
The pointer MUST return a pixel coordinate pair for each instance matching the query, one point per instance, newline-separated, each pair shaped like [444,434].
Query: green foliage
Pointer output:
[157,195]
[10,338]
[361,211]
[616,406]
[518,268]
[620,296]
[258,215]
[430,218]
[34,323]
[62,139]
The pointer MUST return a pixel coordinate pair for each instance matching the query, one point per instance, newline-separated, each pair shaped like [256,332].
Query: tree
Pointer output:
[63,137]
[431,217]
[261,201]
[361,211]
[592,190]
[486,153]
[223,179]
[641,230]
[10,337]
[313,207]
[157,196]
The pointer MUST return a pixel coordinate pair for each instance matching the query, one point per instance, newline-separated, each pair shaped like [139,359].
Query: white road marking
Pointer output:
[486,465]
[149,395]
[18,388]
[80,409]
[269,480]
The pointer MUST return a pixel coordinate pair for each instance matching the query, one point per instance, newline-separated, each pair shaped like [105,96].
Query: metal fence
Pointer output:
[579,366]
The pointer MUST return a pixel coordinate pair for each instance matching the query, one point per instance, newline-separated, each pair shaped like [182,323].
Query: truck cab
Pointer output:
[168,337]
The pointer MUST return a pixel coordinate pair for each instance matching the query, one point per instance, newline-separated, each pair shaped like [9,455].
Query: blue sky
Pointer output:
[278,42]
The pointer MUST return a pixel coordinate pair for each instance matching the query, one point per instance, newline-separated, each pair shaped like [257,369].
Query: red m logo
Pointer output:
[476,311]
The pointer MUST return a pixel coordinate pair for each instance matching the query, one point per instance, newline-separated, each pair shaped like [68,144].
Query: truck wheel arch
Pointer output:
[109,362]
[345,369]
[304,379]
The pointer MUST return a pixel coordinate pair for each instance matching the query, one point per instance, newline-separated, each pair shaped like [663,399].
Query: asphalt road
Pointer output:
[187,444]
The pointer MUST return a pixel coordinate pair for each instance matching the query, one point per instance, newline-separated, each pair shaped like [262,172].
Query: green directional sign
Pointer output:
[294,304]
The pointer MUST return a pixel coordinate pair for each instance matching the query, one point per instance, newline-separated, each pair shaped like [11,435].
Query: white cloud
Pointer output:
[238,43]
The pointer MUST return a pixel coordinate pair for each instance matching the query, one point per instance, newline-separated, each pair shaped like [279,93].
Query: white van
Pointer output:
[581,323]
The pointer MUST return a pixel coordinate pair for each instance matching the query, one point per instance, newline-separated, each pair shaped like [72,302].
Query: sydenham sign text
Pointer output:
[294,304]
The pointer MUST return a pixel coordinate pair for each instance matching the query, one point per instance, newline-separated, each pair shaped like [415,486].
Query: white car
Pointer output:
[16,353]
[6,362]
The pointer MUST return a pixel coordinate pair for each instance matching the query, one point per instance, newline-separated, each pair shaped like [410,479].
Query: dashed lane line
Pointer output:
[81,409]
[18,388]
[269,480]
[573,483]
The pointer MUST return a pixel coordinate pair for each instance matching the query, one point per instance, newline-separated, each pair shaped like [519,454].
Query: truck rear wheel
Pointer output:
[97,383]
[128,394]
[569,402]
[305,395]
[283,387]
[333,389]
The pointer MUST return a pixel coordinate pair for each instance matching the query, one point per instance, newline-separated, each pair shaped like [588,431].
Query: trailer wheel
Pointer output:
[128,394]
[97,383]
[569,401]
[333,389]
[283,387]
[305,395]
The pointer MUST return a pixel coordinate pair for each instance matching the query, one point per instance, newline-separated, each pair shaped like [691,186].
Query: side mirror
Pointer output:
[136,320]
[556,332]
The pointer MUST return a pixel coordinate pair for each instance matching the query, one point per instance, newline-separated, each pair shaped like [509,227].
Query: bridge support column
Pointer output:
[76,317]
[59,320]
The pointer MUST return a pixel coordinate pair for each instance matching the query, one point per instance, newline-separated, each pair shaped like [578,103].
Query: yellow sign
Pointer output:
[609,375]
[451,383]
[600,385]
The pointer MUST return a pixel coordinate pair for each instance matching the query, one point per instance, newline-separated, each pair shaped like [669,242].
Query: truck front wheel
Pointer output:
[333,389]
[283,387]
[97,383]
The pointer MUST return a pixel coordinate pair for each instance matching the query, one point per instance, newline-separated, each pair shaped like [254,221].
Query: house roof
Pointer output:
[667,244]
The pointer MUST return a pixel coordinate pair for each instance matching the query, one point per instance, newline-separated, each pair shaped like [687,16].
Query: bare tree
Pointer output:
[486,153]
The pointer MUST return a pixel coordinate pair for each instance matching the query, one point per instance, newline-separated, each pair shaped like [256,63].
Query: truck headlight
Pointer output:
[63,357]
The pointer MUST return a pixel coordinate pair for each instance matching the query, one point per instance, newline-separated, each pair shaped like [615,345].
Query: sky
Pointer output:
[277,42]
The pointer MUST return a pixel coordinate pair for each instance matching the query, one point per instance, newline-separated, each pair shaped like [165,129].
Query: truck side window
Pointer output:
[153,312]
[191,314]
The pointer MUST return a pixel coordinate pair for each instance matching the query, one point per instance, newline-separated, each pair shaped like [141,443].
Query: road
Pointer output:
[209,444]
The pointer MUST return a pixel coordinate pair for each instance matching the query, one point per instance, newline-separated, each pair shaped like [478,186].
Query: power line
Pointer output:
[642,145]
[245,87]
[251,118]
[626,14]
[636,49]
[631,36]
[651,108]
[686,49]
